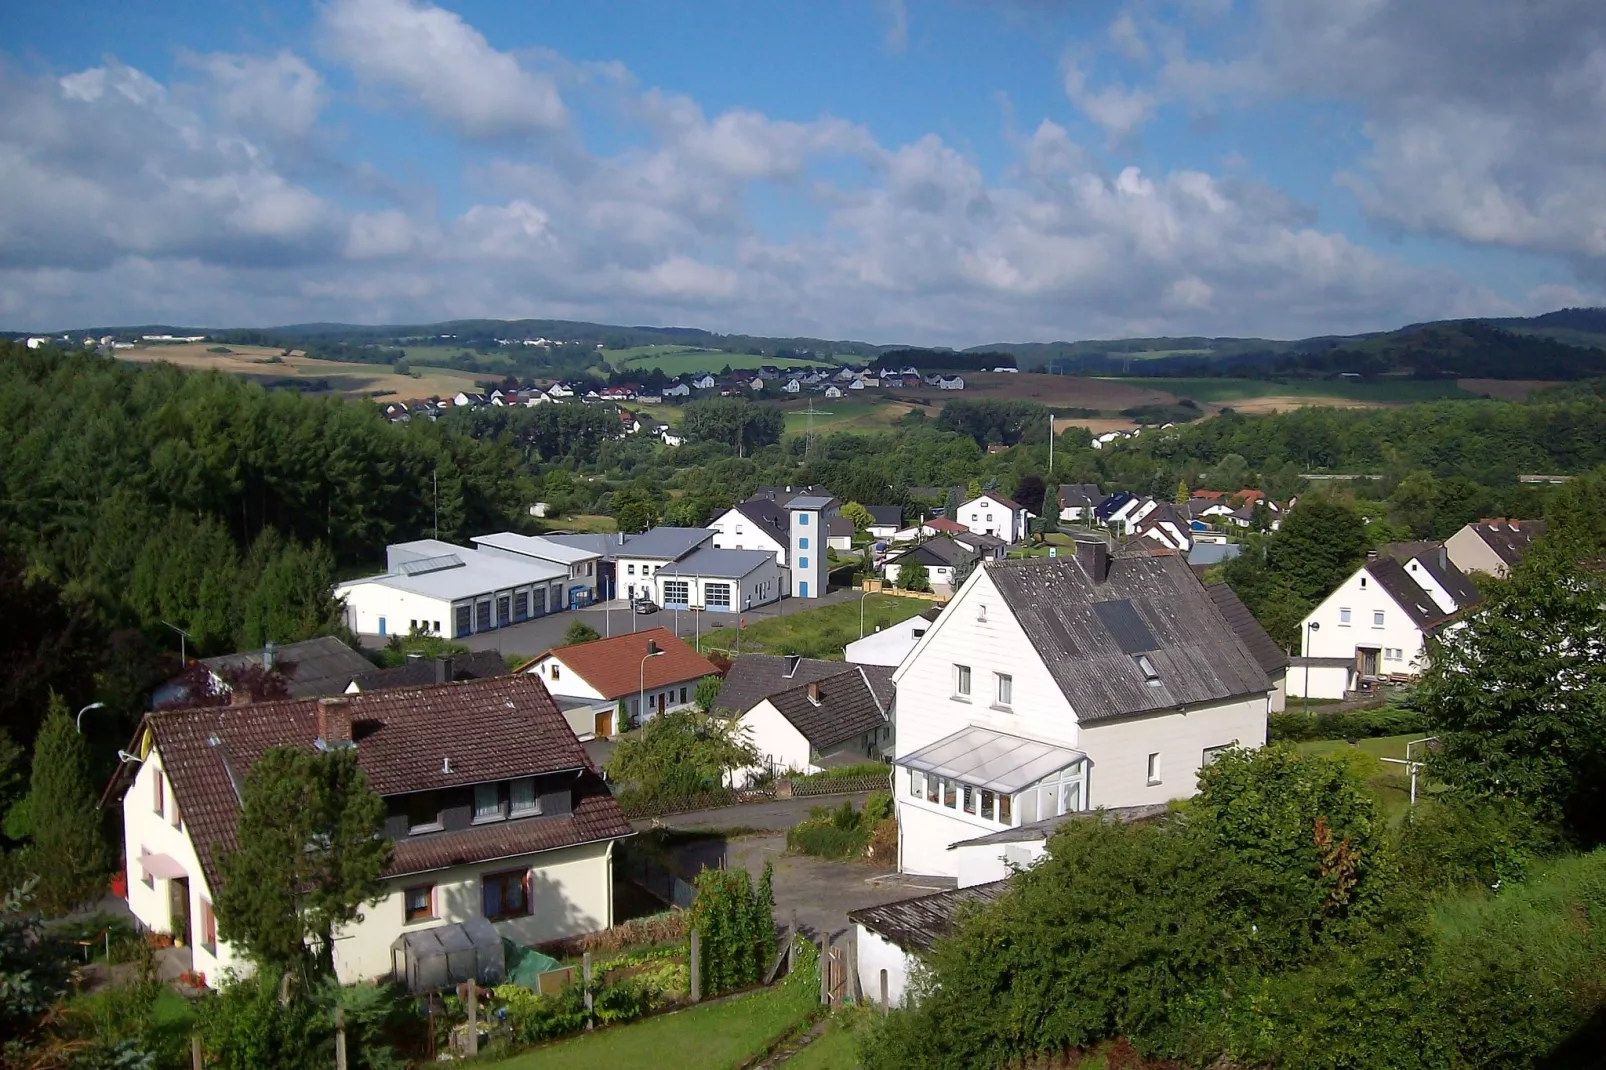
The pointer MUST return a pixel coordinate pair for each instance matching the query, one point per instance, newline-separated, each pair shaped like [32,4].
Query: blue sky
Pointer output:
[922,171]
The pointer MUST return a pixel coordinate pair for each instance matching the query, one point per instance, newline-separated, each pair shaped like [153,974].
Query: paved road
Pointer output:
[777,816]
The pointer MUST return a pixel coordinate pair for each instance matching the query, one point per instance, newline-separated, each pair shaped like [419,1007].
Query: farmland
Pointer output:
[268,366]
[688,360]
[1294,392]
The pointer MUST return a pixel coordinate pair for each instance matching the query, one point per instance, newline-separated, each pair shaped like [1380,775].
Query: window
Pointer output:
[423,812]
[970,799]
[418,903]
[503,895]
[554,669]
[1343,615]
[987,804]
[802,562]
[1003,809]
[803,543]
[462,619]
[933,788]
[738,529]
[683,696]
[1154,768]
[158,794]
[146,877]
[717,595]
[178,821]
[803,520]
[961,681]
[1212,753]
[630,570]
[1377,618]
[677,592]
[437,627]
[208,927]
[1006,688]
[917,786]
[413,625]
[1151,675]
[522,799]
[487,802]
[950,794]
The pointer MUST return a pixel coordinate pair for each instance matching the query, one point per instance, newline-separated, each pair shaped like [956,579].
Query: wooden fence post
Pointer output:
[585,970]
[885,1006]
[195,1053]
[696,966]
[825,970]
[791,944]
[473,1016]
[340,1038]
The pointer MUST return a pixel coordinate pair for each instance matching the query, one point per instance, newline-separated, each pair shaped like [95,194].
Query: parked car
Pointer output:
[646,605]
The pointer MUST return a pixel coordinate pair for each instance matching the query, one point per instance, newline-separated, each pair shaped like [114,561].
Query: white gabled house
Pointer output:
[501,826]
[1056,685]
[993,514]
[806,715]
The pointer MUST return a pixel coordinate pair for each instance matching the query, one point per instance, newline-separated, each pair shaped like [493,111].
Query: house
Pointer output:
[627,562]
[992,856]
[309,669]
[885,520]
[445,589]
[1006,371]
[807,556]
[755,384]
[1052,685]
[950,382]
[1122,509]
[502,827]
[1374,627]
[792,386]
[769,371]
[721,581]
[987,547]
[788,492]
[1273,660]
[841,718]
[890,940]
[622,672]
[833,392]
[670,437]
[937,525]
[890,645]
[678,389]
[703,382]
[994,514]
[1493,547]
[1078,501]
[560,392]
[1167,525]
[941,556]
[579,590]
[421,672]
[839,532]
[756,524]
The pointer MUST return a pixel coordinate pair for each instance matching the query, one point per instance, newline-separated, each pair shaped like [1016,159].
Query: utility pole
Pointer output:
[1051,451]
[435,483]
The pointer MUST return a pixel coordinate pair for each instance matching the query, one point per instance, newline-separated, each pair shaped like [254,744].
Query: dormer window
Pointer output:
[423,812]
[1151,675]
[487,803]
[522,798]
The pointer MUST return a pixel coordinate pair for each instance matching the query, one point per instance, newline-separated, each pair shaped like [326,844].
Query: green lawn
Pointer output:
[584,522]
[1389,781]
[687,360]
[836,1048]
[856,414]
[1230,390]
[817,633]
[709,1037]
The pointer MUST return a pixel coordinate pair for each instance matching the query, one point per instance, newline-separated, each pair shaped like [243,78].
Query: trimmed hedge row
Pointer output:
[1298,727]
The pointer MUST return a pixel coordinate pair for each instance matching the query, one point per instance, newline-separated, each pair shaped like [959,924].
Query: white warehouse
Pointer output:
[444,589]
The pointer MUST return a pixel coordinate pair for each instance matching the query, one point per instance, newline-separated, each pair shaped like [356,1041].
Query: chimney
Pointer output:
[268,651]
[443,671]
[814,692]
[239,696]
[792,661]
[1094,557]
[334,722]
[1444,557]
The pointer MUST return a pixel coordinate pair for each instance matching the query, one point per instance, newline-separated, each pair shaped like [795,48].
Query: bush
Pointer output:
[845,772]
[843,832]
[736,926]
[1295,726]
[1452,845]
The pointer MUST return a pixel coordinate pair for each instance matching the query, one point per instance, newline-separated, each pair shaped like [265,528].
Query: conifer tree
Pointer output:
[67,852]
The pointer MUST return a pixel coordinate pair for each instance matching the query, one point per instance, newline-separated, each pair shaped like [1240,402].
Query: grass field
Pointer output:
[583,523]
[821,632]
[687,360]
[356,380]
[845,415]
[1379,392]
[1389,781]
[709,1037]
[835,1049]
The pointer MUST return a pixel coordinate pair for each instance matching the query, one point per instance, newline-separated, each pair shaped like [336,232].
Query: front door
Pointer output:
[604,726]
[178,911]
[1368,666]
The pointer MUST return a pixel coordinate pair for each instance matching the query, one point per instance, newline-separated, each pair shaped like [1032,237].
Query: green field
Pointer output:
[845,414]
[687,360]
[1390,782]
[1230,390]
[709,1037]
[817,633]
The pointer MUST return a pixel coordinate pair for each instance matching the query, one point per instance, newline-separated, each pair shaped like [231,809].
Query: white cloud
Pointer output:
[897,34]
[434,59]
[1117,109]
[279,93]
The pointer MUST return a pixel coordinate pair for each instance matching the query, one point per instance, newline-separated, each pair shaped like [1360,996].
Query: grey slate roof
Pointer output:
[811,501]
[752,678]
[1042,830]
[422,672]
[667,544]
[916,924]
[1197,656]
[720,564]
[317,667]
[885,515]
[879,677]
[940,550]
[847,707]
[838,526]
[1452,579]
[1243,623]
[1080,495]
[1417,603]
[768,516]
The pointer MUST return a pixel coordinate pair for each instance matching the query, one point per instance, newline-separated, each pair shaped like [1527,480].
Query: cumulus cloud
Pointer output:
[432,58]
[277,94]
[1116,108]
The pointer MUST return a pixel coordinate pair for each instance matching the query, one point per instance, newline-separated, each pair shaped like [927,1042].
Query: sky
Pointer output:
[937,172]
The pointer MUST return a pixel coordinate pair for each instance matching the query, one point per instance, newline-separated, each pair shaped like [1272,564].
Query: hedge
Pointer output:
[1298,727]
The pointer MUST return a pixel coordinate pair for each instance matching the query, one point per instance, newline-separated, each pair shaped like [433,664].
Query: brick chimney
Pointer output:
[1093,555]
[814,692]
[334,723]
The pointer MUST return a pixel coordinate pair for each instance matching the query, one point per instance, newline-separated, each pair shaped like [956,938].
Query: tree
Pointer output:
[1517,693]
[35,968]
[1183,494]
[681,752]
[635,509]
[962,572]
[1414,501]
[1031,493]
[707,692]
[913,576]
[1230,473]
[951,502]
[580,632]
[1320,544]
[310,855]
[67,850]
[859,515]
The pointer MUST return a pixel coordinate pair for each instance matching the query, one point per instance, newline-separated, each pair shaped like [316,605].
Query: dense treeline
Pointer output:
[992,422]
[541,433]
[734,422]
[937,360]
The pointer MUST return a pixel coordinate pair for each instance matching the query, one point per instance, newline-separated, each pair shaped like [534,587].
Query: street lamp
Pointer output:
[78,722]
[183,651]
[862,597]
[1309,628]
[653,651]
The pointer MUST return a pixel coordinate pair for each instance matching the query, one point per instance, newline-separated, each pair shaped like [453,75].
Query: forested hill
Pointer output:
[153,494]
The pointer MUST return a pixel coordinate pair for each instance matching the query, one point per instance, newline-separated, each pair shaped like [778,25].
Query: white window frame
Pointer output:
[500,812]
[1343,616]
[1003,690]
[961,682]
[1153,774]
[533,808]
[1377,618]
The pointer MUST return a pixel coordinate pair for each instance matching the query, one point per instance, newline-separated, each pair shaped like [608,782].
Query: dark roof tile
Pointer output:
[831,710]
[1268,654]
[916,924]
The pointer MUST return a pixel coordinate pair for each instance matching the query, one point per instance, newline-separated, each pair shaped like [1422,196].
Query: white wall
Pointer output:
[562,680]
[889,646]
[776,741]
[1469,553]
[367,602]
[733,531]
[926,831]
[1005,522]
[766,584]
[943,574]
[1322,681]
[876,954]
[985,863]
[1362,596]
[1118,752]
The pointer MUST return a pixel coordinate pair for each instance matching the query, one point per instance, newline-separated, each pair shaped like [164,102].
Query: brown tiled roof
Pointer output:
[493,729]
[942,523]
[614,667]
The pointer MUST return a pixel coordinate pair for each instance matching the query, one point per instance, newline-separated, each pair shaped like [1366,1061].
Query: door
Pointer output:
[1368,661]
[178,911]
[604,726]
[381,625]
[803,588]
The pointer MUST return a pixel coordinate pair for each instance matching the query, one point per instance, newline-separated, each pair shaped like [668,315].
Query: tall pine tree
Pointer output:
[68,852]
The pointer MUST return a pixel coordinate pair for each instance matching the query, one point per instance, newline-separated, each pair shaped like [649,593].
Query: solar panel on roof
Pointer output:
[1120,618]
[1062,634]
[425,565]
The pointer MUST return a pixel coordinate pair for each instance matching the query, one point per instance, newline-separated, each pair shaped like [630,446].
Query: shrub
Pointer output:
[1296,726]
[1452,844]
[826,840]
[845,772]
[736,926]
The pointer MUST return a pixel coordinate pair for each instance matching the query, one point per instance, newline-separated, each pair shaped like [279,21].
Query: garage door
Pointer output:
[677,593]
[717,595]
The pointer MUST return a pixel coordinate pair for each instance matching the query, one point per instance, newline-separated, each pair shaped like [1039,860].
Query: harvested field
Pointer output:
[1286,404]
[1504,389]
[267,365]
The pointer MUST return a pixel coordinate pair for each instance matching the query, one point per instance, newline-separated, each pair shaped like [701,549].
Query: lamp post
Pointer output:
[1313,626]
[747,603]
[78,722]
[862,597]
[183,651]
[653,651]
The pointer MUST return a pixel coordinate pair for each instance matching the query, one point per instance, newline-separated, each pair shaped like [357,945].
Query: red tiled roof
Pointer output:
[491,729]
[614,666]
[942,523]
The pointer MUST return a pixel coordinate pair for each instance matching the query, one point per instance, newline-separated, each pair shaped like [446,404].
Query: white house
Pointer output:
[890,939]
[942,556]
[670,437]
[860,384]
[1375,625]
[833,392]
[624,671]
[677,389]
[885,520]
[450,590]
[628,562]
[1052,685]
[950,382]
[890,645]
[703,382]
[449,760]
[721,581]
[1077,501]
[835,719]
[1492,546]
[757,524]
[994,514]
[792,386]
